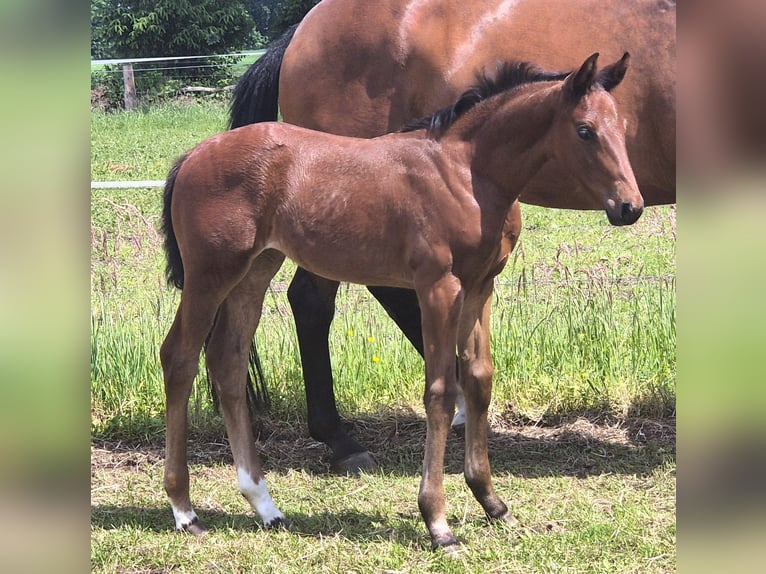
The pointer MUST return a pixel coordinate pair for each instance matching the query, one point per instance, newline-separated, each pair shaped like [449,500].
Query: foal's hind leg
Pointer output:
[476,372]
[179,355]
[227,356]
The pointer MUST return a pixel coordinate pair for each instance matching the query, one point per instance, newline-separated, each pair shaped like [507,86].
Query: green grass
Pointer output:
[590,501]
[142,144]
[583,326]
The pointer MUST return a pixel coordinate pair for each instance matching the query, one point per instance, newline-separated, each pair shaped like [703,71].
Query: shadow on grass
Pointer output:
[577,447]
[351,525]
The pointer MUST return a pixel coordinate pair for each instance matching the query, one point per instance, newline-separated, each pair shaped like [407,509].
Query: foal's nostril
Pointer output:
[629,213]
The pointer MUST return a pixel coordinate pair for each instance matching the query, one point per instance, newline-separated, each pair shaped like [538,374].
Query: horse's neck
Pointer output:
[511,147]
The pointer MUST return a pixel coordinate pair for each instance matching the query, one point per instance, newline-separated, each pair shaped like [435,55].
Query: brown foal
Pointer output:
[425,209]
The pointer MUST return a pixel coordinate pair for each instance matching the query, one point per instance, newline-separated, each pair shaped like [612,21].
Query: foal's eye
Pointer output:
[585,133]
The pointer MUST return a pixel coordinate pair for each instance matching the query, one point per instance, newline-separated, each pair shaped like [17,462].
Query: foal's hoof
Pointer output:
[448,545]
[278,523]
[354,464]
[459,430]
[509,520]
[195,527]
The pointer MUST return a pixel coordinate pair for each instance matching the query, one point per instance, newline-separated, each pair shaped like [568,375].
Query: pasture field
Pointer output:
[582,416]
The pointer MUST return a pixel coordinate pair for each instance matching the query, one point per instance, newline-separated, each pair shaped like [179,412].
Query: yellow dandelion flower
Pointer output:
[350,332]
[375,359]
[370,339]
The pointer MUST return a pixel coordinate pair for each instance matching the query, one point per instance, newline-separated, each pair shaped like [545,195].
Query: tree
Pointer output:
[142,28]
[290,12]
[273,17]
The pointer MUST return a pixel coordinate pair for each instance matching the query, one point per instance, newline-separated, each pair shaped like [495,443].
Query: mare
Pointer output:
[366,68]
[428,211]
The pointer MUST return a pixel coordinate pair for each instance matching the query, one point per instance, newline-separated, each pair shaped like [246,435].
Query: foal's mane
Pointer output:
[507,76]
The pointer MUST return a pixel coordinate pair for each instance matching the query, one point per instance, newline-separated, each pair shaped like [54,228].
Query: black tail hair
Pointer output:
[174,267]
[256,96]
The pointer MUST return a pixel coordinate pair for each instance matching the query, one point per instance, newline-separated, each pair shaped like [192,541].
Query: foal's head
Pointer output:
[589,139]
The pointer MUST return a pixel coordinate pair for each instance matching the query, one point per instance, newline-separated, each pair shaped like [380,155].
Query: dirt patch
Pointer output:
[579,446]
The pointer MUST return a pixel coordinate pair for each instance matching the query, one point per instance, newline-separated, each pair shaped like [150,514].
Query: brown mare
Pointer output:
[366,68]
[425,209]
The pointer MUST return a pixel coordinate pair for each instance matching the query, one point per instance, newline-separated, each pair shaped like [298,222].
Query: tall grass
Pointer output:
[584,315]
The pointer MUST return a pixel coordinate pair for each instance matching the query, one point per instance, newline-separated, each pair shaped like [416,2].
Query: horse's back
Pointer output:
[364,69]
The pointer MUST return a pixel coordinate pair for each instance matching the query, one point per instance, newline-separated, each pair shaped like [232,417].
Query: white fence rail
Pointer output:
[127,184]
[118,61]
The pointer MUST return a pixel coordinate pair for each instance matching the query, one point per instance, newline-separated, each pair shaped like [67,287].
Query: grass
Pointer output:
[592,499]
[583,331]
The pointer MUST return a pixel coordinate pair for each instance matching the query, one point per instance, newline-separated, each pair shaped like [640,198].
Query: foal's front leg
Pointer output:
[440,304]
[476,372]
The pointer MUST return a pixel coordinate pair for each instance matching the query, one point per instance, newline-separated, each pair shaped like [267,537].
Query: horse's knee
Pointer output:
[178,371]
[476,382]
[440,394]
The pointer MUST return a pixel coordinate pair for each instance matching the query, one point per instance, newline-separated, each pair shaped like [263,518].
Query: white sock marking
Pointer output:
[257,494]
[459,418]
[183,518]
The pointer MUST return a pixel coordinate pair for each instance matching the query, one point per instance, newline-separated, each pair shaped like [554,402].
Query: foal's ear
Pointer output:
[579,82]
[612,75]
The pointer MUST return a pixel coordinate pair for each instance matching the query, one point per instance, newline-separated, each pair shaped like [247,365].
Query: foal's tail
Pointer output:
[174,267]
[256,95]
[257,395]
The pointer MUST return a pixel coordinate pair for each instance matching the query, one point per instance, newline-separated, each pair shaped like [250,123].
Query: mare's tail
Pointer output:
[174,267]
[256,95]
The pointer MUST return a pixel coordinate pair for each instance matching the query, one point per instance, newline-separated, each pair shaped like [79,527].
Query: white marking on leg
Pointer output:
[257,494]
[184,518]
[459,418]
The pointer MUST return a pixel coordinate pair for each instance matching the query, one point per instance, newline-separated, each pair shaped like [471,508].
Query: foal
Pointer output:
[425,209]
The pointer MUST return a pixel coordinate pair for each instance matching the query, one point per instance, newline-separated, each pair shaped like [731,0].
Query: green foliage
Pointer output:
[272,17]
[138,28]
[290,12]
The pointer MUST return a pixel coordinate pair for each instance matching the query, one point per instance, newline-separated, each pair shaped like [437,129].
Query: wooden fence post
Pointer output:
[131,101]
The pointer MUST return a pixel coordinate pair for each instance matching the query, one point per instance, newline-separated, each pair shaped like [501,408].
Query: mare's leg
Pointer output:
[440,304]
[476,372]
[227,356]
[312,300]
[179,355]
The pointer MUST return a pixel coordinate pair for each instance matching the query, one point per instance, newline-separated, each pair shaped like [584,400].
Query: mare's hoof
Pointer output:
[354,464]
[279,523]
[195,527]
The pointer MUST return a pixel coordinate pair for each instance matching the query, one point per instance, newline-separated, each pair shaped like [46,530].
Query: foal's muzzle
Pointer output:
[626,213]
